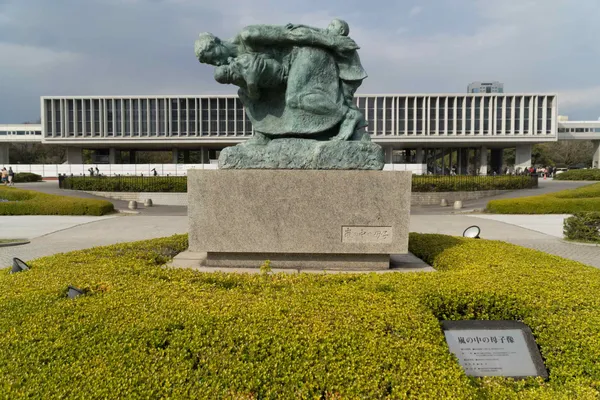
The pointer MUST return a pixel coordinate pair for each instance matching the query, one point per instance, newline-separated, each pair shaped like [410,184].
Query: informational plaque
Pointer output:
[495,348]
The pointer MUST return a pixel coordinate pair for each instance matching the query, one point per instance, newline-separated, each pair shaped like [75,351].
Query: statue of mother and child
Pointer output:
[297,84]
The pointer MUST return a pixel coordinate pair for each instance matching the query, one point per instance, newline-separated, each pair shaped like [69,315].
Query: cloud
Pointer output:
[146,46]
[414,11]
[33,58]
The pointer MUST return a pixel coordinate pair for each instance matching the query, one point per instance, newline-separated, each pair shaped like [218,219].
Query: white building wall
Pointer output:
[428,117]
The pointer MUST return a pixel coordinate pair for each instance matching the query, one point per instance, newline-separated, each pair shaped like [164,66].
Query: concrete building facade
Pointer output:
[485,87]
[468,131]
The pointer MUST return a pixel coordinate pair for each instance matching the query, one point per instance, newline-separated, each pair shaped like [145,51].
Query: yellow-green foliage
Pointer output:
[173,184]
[29,202]
[569,201]
[579,175]
[143,331]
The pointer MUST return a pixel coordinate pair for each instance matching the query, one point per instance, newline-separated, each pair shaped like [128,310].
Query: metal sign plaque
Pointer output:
[495,348]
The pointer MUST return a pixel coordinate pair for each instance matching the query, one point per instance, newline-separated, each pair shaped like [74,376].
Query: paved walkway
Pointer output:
[32,226]
[127,228]
[544,187]
[497,230]
[540,232]
[123,228]
[51,187]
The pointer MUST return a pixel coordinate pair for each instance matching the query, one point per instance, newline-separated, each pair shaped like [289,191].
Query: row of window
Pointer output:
[578,130]
[226,117]
[4,133]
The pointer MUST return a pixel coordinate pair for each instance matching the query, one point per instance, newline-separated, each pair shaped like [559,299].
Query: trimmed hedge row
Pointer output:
[579,175]
[465,183]
[29,202]
[178,184]
[571,201]
[583,227]
[143,331]
[22,177]
[172,184]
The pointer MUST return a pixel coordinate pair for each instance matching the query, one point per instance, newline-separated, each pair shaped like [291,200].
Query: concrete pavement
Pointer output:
[544,187]
[103,232]
[51,187]
[51,235]
[32,226]
[127,228]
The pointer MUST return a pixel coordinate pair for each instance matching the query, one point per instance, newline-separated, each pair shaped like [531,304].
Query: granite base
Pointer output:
[348,220]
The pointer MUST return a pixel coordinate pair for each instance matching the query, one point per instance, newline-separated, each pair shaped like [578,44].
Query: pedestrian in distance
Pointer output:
[11,177]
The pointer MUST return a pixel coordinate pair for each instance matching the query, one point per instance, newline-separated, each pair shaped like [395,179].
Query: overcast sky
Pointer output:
[139,47]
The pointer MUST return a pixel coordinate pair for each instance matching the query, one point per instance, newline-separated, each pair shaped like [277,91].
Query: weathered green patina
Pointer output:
[296,83]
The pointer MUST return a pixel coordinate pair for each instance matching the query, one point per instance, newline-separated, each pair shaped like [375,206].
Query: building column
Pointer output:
[596,158]
[204,156]
[4,153]
[523,157]
[74,155]
[175,153]
[388,154]
[483,160]
[419,159]
[112,155]
[496,160]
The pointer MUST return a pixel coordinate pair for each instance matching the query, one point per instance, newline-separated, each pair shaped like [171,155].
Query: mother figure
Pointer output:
[289,79]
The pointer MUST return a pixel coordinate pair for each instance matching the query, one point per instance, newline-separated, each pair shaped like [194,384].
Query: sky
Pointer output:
[146,47]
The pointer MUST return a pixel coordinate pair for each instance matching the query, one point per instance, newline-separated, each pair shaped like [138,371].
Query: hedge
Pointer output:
[420,183]
[142,331]
[571,201]
[583,227]
[462,183]
[29,202]
[21,177]
[174,184]
[579,175]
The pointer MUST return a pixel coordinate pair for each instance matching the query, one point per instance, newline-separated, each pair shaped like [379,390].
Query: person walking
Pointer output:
[4,176]
[11,177]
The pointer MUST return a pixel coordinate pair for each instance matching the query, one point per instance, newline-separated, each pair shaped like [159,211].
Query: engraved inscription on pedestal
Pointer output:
[367,234]
[494,348]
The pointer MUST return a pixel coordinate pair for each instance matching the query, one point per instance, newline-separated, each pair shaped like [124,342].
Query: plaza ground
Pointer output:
[57,234]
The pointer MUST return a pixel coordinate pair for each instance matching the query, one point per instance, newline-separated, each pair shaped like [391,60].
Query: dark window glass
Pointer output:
[136,116]
[97,114]
[162,117]
[109,117]
[205,128]
[145,117]
[174,116]
[153,103]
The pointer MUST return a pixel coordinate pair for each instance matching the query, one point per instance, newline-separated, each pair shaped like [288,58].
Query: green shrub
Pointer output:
[464,183]
[143,331]
[570,201]
[178,184]
[22,177]
[173,184]
[583,227]
[29,202]
[579,175]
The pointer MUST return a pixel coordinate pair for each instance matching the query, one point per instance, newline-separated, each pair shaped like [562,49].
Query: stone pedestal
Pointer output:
[310,219]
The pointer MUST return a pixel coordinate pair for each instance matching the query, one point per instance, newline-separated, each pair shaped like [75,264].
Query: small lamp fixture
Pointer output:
[74,292]
[472,232]
[18,266]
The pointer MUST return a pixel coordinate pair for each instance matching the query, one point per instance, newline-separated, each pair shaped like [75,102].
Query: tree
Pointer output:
[568,153]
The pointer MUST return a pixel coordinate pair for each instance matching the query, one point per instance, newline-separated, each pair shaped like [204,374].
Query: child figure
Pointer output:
[252,71]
